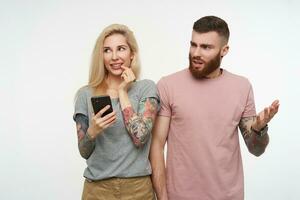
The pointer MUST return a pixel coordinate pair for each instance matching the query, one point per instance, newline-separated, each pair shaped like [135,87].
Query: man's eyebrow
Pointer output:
[206,45]
[202,45]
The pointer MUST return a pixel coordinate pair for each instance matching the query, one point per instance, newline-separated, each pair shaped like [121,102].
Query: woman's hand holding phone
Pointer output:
[98,123]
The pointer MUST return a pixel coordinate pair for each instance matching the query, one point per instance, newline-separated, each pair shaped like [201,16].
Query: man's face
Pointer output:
[206,52]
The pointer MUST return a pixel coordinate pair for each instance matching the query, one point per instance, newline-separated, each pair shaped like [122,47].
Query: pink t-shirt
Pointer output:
[203,158]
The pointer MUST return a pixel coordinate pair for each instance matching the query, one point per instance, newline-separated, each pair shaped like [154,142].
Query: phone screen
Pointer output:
[99,102]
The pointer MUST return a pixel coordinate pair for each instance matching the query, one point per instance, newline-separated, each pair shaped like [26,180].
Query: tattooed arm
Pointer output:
[86,144]
[256,144]
[139,125]
[249,125]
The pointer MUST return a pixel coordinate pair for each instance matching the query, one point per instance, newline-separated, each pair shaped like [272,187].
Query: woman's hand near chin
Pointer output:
[128,77]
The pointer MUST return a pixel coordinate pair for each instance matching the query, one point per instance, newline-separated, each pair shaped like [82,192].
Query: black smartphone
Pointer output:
[99,102]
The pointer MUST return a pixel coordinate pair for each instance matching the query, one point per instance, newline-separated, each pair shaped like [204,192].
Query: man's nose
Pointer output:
[197,52]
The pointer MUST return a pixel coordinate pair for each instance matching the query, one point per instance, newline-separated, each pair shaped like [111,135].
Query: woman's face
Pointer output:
[116,53]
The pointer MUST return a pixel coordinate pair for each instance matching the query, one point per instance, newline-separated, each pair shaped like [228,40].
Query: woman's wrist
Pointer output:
[91,133]
[122,91]
[124,99]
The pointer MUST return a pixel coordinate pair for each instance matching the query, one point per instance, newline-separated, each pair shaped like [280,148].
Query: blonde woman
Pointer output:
[116,146]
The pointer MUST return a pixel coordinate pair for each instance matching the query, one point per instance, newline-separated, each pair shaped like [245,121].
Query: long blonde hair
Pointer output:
[98,71]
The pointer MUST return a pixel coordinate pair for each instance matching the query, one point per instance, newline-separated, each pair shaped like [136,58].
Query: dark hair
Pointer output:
[212,23]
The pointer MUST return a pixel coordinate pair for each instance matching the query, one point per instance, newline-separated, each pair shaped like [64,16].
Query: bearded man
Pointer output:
[202,107]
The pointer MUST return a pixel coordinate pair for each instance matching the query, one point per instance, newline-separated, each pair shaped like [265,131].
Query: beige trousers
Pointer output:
[138,188]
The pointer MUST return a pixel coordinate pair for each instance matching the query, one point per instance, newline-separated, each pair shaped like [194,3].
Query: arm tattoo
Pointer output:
[139,125]
[85,144]
[256,144]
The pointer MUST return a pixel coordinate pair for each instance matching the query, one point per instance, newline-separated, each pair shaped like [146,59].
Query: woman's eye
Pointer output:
[106,50]
[121,48]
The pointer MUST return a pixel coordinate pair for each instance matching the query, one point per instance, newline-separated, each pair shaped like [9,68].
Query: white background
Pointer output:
[45,49]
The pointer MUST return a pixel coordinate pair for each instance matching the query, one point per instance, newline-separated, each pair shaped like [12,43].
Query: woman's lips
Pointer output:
[116,65]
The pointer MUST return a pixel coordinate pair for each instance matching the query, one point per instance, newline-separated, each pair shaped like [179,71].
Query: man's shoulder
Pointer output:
[236,77]
[174,77]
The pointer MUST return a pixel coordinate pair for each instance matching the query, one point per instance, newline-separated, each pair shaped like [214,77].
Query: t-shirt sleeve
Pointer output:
[165,108]
[250,104]
[81,106]
[148,89]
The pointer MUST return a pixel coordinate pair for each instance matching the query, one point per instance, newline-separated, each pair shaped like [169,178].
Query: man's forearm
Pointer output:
[256,144]
[159,175]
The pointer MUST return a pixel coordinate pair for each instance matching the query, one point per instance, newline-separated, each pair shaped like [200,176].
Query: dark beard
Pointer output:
[209,67]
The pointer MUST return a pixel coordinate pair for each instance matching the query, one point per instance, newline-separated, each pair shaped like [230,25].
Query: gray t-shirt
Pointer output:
[115,155]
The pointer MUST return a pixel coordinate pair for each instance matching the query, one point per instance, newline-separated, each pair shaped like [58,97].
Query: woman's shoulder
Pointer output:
[146,82]
[145,87]
[83,91]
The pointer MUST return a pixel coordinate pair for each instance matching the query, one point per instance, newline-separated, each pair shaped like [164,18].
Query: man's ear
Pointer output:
[224,50]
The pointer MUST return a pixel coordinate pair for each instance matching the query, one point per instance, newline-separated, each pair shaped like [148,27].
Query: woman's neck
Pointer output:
[113,82]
